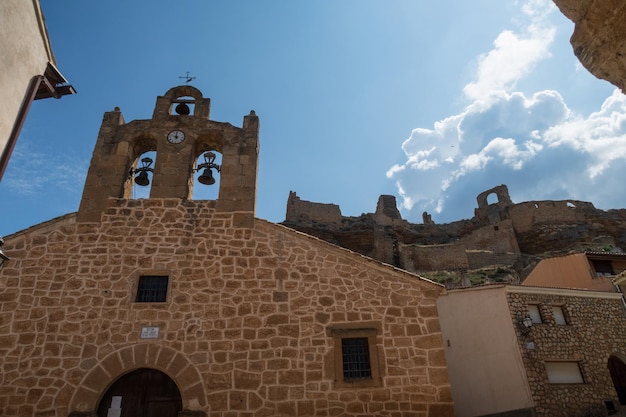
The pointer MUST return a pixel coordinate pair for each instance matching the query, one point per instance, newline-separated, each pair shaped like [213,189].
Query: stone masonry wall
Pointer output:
[596,329]
[433,257]
[477,259]
[469,252]
[305,211]
[527,215]
[245,328]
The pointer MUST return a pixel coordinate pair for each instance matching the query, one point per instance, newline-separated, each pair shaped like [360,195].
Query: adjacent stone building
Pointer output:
[168,306]
[538,352]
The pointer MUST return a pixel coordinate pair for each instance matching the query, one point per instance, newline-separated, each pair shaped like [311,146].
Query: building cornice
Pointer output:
[43,30]
[569,292]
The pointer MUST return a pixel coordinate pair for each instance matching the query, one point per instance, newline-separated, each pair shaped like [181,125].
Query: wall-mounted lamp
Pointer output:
[206,177]
[142,172]
[3,256]
[527,322]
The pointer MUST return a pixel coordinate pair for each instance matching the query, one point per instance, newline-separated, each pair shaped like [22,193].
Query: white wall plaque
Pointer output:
[149,332]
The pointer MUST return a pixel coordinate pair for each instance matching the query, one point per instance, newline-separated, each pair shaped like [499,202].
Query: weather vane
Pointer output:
[187,78]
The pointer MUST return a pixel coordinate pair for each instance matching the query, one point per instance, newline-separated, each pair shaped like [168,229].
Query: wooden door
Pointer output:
[144,393]
[617,368]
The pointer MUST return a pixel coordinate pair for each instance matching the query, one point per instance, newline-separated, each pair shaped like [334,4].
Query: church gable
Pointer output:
[219,313]
[260,313]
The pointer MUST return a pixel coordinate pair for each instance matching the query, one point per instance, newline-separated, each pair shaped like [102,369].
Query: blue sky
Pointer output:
[432,102]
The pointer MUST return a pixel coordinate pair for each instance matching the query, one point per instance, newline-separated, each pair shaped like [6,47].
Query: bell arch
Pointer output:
[141,147]
[140,175]
[207,179]
[142,144]
[180,94]
[184,90]
[174,364]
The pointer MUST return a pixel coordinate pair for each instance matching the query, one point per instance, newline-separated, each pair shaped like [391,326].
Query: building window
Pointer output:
[559,315]
[355,357]
[564,372]
[534,313]
[603,268]
[152,289]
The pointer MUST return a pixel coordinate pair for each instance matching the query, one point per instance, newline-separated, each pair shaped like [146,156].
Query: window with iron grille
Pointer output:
[356,358]
[152,289]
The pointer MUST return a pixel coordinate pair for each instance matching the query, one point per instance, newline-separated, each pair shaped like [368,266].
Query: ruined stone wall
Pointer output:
[487,246]
[498,238]
[585,339]
[308,212]
[418,258]
[534,228]
[526,215]
[477,259]
[246,330]
[387,212]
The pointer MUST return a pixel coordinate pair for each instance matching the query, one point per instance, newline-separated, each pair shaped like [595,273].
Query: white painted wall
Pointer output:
[24,53]
[484,363]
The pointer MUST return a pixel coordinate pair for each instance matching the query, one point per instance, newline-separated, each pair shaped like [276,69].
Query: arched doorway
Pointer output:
[617,369]
[142,393]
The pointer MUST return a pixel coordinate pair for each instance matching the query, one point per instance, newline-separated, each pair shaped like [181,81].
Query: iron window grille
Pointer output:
[152,289]
[356,358]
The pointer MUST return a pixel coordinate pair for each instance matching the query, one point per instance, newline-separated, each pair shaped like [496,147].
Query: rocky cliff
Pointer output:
[599,36]
[504,239]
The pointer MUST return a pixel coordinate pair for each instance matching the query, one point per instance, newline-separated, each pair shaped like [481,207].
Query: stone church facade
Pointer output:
[169,306]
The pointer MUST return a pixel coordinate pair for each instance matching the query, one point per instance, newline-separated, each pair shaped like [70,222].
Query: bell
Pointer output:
[207,177]
[142,179]
[182,109]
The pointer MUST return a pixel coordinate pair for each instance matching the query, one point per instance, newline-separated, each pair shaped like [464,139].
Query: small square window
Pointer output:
[559,315]
[534,313]
[356,358]
[152,289]
[564,373]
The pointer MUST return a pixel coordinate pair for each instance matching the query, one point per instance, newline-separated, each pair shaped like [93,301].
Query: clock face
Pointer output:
[176,136]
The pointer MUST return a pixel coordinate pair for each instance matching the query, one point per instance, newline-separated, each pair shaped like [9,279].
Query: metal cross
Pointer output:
[187,78]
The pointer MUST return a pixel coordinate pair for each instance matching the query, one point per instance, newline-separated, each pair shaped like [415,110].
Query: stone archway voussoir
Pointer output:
[127,359]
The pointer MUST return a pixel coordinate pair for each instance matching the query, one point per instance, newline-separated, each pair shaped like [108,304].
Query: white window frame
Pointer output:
[559,315]
[564,372]
[535,313]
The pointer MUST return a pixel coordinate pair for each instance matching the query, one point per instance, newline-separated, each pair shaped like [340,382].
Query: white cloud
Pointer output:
[32,170]
[601,136]
[514,54]
[532,142]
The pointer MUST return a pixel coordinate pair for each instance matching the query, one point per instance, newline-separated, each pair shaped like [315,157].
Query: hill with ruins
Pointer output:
[504,240]
[501,243]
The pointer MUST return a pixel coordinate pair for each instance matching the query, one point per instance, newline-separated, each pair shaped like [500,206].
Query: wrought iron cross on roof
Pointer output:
[187,78]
